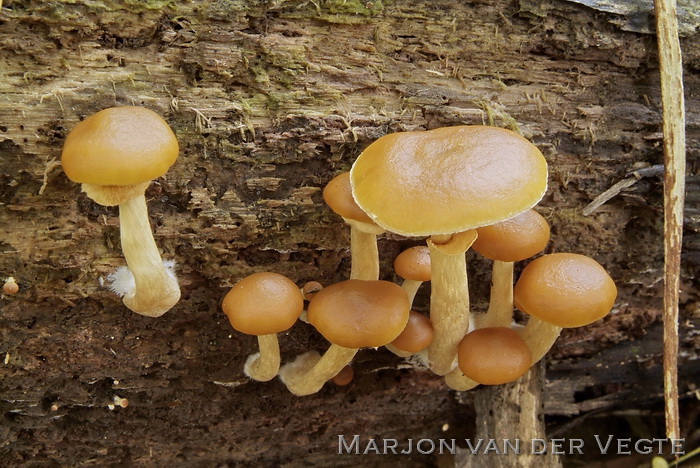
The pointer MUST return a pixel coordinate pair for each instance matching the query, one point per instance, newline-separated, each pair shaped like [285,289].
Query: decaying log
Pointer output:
[270,100]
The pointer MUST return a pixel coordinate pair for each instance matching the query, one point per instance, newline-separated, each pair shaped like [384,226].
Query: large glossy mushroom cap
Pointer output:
[119,146]
[447,180]
[360,314]
[514,239]
[263,303]
[338,196]
[417,335]
[564,289]
[414,264]
[493,356]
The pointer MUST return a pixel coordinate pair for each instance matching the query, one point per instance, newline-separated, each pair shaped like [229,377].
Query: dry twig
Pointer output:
[621,186]
[674,192]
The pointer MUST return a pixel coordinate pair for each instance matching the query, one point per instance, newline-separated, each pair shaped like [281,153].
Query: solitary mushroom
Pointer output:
[363,231]
[561,290]
[413,265]
[443,183]
[115,154]
[509,241]
[494,356]
[352,314]
[263,304]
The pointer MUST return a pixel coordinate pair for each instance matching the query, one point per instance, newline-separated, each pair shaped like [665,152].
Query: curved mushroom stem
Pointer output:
[411,288]
[307,374]
[398,352]
[156,291]
[363,250]
[263,366]
[449,298]
[456,380]
[539,337]
[500,312]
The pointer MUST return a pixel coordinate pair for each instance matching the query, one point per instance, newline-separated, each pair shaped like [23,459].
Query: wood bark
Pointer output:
[512,412]
[269,101]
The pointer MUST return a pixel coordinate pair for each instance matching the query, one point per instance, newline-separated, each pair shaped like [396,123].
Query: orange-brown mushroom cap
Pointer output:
[10,286]
[413,264]
[119,146]
[310,289]
[417,335]
[564,289]
[263,304]
[360,314]
[344,377]
[493,356]
[447,180]
[338,196]
[514,239]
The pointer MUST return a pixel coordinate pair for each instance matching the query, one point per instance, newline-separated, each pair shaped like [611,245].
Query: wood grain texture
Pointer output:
[514,411]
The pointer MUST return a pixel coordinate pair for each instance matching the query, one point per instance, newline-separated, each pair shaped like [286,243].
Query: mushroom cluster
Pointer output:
[459,188]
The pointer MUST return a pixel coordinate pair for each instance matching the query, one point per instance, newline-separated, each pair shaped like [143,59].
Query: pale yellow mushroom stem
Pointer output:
[156,291]
[398,352]
[363,250]
[449,299]
[307,374]
[411,288]
[539,337]
[500,312]
[263,366]
[456,380]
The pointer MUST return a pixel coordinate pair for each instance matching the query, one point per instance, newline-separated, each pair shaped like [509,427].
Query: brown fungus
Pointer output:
[561,290]
[263,304]
[444,183]
[352,314]
[115,154]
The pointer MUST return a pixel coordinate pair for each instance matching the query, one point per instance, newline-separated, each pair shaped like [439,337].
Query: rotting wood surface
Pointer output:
[269,101]
[515,412]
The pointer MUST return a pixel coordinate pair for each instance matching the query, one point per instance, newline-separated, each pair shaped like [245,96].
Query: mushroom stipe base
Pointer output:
[309,372]
[155,290]
[264,365]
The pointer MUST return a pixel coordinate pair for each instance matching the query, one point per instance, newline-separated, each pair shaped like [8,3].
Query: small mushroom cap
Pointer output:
[119,146]
[263,304]
[360,314]
[417,335]
[344,377]
[310,289]
[338,197]
[564,289]
[414,264]
[10,286]
[514,239]
[447,180]
[493,356]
